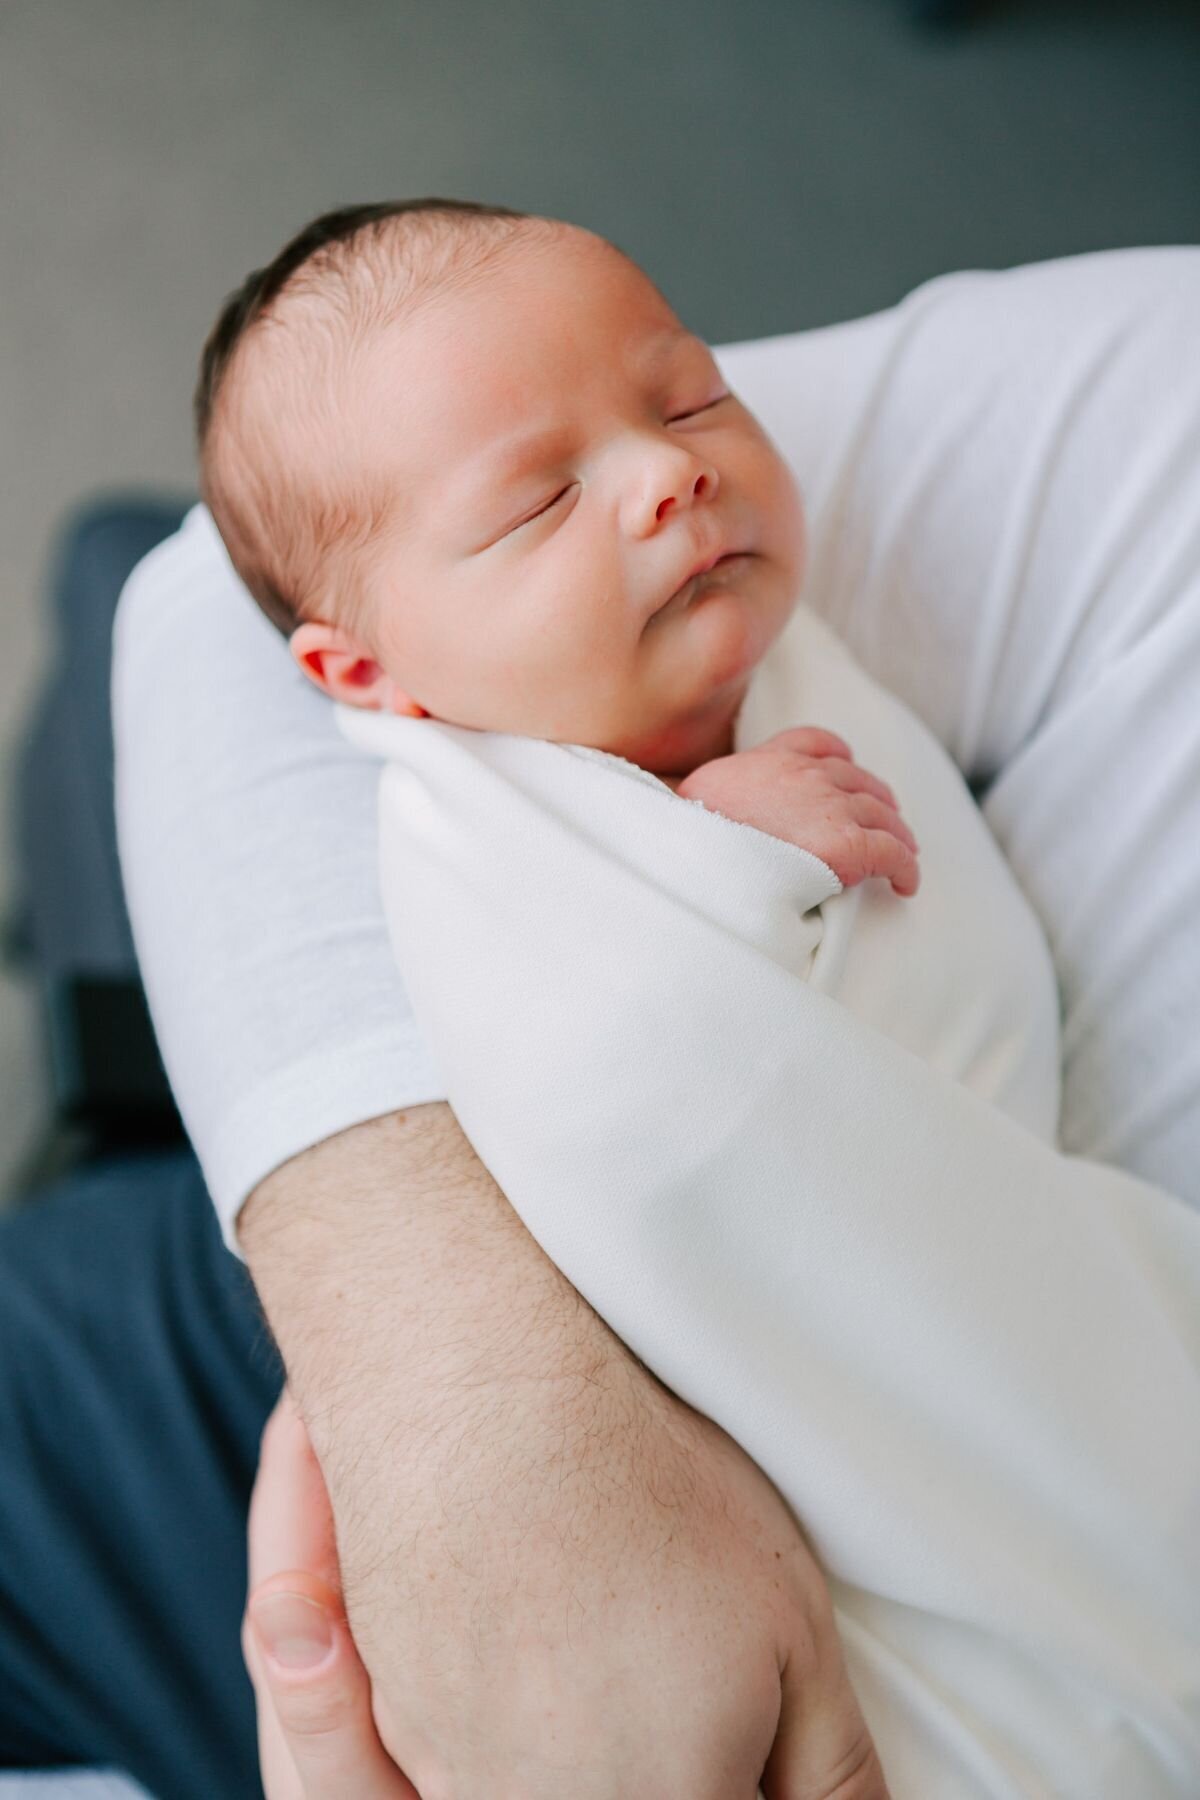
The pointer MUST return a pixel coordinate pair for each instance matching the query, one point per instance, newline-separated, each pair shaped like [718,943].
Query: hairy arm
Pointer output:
[394,1272]
[556,1573]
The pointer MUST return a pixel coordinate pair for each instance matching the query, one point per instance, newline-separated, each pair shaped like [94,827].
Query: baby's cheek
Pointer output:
[784,520]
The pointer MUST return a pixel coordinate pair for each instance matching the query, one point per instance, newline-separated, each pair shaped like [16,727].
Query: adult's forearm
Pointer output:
[465,1404]
[387,1259]
[554,1571]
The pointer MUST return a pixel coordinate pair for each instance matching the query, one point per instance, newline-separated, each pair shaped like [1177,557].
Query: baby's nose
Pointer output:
[703,486]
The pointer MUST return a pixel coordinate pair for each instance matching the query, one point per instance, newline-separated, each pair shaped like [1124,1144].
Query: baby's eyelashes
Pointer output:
[708,405]
[544,509]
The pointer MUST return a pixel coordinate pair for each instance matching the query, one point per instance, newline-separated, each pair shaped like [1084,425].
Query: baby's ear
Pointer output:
[340,667]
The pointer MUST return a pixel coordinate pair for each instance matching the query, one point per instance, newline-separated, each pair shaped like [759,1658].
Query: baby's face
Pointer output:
[564,454]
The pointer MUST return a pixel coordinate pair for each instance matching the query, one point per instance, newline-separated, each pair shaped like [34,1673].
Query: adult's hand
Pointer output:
[317,1738]
[559,1578]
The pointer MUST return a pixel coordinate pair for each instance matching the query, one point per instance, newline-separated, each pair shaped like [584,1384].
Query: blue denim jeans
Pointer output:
[136,1374]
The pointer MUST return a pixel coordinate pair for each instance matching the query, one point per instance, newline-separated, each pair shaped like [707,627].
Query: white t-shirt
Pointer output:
[1002,477]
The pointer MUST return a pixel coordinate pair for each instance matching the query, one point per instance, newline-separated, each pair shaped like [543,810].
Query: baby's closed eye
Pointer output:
[707,407]
[546,508]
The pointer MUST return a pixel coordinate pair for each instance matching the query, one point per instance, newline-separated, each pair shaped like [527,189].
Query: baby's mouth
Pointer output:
[682,597]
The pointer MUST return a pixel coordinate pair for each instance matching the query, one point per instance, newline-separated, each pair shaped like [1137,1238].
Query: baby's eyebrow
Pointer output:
[503,461]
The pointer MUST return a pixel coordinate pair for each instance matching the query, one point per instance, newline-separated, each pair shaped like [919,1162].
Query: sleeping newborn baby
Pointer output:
[474,468]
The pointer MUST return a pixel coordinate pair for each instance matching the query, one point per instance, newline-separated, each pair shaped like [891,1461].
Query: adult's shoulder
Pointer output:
[818,390]
[994,470]
[185,597]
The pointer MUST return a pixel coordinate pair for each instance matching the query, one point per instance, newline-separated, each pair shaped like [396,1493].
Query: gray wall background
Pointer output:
[773,164]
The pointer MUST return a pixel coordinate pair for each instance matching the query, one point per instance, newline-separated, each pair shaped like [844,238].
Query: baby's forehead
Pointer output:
[429,376]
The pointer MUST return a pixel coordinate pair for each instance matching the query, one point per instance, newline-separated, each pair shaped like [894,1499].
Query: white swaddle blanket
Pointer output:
[796,1146]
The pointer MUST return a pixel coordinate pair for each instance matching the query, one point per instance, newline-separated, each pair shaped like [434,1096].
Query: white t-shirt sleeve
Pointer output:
[247,833]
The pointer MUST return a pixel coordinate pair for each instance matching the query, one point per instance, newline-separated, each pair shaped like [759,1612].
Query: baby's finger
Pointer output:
[865,809]
[884,855]
[319,1693]
[811,740]
[852,778]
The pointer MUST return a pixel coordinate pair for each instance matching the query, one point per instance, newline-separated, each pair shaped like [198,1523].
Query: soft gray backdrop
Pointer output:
[772,163]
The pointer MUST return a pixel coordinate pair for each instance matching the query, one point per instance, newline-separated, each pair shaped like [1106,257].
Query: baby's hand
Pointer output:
[804,787]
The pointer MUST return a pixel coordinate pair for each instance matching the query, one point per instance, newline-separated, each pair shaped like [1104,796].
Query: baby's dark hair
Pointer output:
[291,527]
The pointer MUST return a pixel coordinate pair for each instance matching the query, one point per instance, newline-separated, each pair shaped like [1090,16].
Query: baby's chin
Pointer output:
[677,744]
[727,632]
[727,641]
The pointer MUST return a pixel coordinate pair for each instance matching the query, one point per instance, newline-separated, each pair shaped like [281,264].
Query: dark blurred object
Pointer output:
[941,12]
[70,927]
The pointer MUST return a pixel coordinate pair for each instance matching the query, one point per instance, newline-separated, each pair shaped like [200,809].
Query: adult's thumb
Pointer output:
[318,1691]
[294,1630]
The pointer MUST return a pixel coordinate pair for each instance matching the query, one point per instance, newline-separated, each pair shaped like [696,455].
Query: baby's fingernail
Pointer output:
[296,1632]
